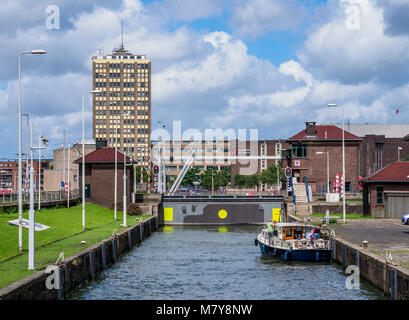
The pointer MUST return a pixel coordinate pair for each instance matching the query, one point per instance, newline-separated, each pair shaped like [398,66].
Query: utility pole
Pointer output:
[31,224]
[39,174]
[68,190]
[31,212]
[63,164]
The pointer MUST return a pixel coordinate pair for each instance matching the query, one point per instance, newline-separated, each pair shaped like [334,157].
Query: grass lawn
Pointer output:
[65,235]
[353,201]
[340,215]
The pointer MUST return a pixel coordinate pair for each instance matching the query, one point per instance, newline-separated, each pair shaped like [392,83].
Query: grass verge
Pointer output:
[65,235]
[347,216]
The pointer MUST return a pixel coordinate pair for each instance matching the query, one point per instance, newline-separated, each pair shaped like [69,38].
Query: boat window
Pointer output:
[297,232]
[289,232]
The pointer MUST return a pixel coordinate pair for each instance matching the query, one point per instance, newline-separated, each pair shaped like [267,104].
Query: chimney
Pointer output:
[310,129]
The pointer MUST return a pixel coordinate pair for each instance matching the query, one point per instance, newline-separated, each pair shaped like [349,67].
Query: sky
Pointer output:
[269,65]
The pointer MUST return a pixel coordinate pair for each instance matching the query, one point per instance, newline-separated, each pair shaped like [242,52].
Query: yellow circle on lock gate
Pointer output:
[222,214]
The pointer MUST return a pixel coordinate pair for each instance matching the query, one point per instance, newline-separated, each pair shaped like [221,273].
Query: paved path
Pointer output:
[381,235]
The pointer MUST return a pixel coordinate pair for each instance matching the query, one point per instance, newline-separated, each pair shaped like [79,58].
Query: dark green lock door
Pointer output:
[87,191]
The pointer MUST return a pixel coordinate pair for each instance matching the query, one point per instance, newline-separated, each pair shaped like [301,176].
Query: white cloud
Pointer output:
[210,80]
[256,17]
[335,51]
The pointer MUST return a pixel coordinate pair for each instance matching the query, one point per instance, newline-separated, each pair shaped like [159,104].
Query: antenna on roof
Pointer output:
[122,35]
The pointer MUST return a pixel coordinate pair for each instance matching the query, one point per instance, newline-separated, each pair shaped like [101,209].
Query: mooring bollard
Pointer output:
[365,244]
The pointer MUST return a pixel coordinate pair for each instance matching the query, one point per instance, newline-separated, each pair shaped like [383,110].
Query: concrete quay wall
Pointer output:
[392,280]
[81,267]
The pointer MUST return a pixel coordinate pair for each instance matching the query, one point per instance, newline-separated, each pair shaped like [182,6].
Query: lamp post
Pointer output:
[20,172]
[44,140]
[27,155]
[116,165]
[83,154]
[326,152]
[124,197]
[213,174]
[69,180]
[399,149]
[332,105]
[31,212]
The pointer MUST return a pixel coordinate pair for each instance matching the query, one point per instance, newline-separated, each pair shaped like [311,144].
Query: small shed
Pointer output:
[100,177]
[386,192]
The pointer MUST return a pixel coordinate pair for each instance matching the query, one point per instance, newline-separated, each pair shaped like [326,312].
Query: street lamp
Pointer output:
[83,154]
[44,140]
[20,171]
[399,149]
[326,152]
[125,178]
[332,105]
[116,163]
[213,174]
[27,155]
[162,167]
[31,211]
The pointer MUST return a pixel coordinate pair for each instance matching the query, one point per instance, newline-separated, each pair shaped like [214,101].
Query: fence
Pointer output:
[12,198]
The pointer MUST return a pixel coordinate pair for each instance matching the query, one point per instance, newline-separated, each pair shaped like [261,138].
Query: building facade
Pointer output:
[382,145]
[386,192]
[9,174]
[100,177]
[54,175]
[209,154]
[122,108]
[309,150]
[259,148]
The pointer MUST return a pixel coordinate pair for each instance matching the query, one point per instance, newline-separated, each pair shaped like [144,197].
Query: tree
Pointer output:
[138,174]
[192,175]
[252,181]
[220,178]
[239,181]
[269,175]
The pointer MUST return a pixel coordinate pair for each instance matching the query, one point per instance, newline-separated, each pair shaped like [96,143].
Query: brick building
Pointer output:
[100,177]
[305,161]
[386,192]
[54,174]
[9,173]
[381,145]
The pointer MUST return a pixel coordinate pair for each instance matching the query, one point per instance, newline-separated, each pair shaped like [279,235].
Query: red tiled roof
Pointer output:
[395,172]
[332,133]
[103,155]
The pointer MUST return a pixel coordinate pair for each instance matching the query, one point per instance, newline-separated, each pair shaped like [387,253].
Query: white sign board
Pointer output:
[332,197]
[37,226]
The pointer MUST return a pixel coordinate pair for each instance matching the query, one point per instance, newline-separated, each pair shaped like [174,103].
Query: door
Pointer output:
[87,191]
[397,206]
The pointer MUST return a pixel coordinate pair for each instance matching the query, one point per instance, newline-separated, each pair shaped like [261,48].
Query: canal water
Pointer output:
[216,263]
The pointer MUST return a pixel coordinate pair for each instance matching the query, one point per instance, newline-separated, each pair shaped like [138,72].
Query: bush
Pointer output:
[11,210]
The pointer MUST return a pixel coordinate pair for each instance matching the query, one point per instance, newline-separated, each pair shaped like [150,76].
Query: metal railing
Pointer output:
[12,198]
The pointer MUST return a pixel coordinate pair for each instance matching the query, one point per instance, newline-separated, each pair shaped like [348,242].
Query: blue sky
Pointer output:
[239,64]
